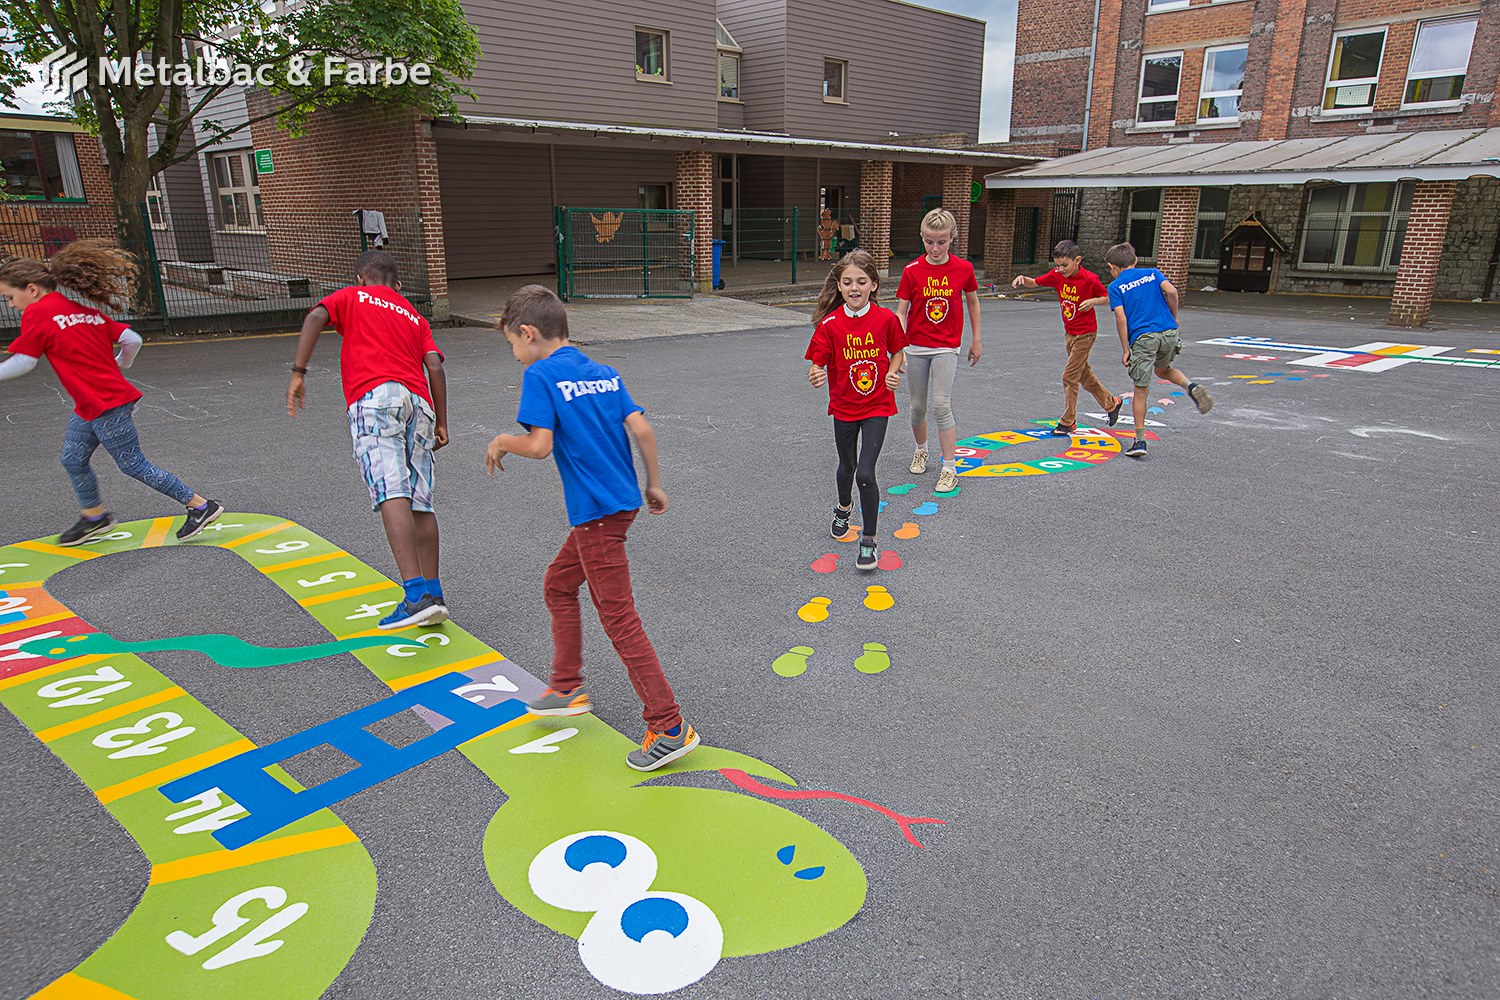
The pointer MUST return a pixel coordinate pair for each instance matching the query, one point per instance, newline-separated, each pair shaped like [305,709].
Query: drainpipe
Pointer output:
[1088,97]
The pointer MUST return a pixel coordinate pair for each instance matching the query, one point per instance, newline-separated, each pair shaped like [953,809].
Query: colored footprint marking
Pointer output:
[883,505]
[1179,394]
[225,650]
[947,493]
[1164,401]
[902,490]
[793,662]
[925,508]
[815,610]
[889,560]
[1155,409]
[828,562]
[1261,381]
[873,660]
[853,534]
[877,598]
[908,530]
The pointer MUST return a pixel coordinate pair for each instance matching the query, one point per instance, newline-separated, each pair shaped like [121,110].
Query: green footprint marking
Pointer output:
[793,662]
[225,650]
[873,660]
[897,491]
[947,493]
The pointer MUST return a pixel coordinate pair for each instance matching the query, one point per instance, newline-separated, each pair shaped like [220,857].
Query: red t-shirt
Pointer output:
[385,340]
[856,351]
[1071,291]
[79,343]
[936,293]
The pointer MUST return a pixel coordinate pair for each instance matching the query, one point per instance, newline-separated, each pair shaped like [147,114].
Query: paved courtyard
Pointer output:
[1219,723]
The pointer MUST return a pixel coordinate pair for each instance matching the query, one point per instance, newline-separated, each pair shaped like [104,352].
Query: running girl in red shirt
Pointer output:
[80,344]
[856,351]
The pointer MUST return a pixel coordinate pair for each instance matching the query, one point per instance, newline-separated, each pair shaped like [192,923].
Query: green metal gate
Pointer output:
[624,253]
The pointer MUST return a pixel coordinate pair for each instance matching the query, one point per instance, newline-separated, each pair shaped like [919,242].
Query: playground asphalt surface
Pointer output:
[1220,723]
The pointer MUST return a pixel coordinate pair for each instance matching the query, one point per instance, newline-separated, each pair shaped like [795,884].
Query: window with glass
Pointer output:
[1160,75]
[729,63]
[1354,70]
[1213,207]
[835,78]
[651,54]
[156,207]
[40,166]
[1356,226]
[1143,215]
[1154,5]
[1223,83]
[1439,61]
[657,196]
[236,192]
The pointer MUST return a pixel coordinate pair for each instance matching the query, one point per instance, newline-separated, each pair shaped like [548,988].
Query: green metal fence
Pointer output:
[624,253]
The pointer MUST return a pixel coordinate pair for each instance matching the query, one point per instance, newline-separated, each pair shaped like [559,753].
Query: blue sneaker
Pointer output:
[424,611]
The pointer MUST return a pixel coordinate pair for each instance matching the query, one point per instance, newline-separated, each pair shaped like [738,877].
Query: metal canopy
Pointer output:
[1453,155]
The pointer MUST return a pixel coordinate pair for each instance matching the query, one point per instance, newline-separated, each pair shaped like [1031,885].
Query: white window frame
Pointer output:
[1140,87]
[1153,6]
[1373,82]
[665,76]
[843,64]
[1436,74]
[735,55]
[250,189]
[1343,219]
[1205,94]
[156,202]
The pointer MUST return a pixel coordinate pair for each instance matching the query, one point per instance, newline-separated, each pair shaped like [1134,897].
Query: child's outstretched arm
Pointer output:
[15,366]
[130,345]
[312,328]
[1022,281]
[433,362]
[536,443]
[645,440]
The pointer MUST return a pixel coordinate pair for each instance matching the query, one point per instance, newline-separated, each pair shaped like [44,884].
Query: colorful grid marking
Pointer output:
[1087,447]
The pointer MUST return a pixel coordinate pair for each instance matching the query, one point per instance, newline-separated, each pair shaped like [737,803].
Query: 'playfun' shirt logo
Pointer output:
[572,390]
[366,297]
[73,319]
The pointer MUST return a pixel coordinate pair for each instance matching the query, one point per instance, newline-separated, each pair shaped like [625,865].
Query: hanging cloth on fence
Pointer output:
[372,224]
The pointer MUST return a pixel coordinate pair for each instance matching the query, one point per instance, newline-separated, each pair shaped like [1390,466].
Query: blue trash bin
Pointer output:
[718,282]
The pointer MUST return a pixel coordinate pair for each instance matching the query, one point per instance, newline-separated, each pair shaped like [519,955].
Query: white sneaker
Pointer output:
[947,480]
[919,462]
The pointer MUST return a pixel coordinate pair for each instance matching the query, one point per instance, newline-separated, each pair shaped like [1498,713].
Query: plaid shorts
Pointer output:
[394,430]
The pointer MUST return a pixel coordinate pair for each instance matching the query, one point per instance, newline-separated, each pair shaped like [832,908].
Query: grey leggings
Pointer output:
[932,375]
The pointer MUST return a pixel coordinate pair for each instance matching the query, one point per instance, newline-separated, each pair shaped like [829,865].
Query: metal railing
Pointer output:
[614,253]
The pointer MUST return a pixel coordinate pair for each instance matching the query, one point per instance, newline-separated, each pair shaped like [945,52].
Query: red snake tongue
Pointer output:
[742,780]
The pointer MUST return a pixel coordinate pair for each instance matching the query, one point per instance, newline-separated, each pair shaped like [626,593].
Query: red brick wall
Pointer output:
[956,180]
[1174,240]
[694,192]
[1426,230]
[875,180]
[35,228]
[999,234]
[1053,39]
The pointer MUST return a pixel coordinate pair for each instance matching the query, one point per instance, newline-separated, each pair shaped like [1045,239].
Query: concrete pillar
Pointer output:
[430,205]
[1174,237]
[695,193]
[875,182]
[999,236]
[1421,252]
[956,182]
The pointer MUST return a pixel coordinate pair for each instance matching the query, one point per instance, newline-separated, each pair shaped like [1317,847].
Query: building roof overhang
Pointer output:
[1450,155]
[720,141]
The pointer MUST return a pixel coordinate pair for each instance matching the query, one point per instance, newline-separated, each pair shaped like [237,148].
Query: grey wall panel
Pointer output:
[608,178]
[497,208]
[759,26]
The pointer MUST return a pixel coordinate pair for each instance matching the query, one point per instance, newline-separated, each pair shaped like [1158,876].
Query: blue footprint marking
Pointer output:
[1156,409]
[883,505]
[1179,394]
[925,508]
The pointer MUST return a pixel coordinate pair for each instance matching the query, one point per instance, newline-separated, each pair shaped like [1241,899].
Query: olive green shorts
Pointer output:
[1152,352]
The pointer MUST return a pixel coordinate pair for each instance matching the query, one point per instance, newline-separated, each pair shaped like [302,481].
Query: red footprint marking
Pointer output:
[889,560]
[826,563]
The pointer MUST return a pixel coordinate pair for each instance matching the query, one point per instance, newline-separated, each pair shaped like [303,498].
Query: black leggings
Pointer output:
[859,444]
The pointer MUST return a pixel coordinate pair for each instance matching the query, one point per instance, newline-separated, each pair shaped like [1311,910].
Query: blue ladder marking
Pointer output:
[272,805]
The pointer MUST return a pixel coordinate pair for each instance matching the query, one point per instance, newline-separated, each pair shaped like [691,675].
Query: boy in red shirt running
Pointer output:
[856,352]
[396,422]
[80,344]
[1079,290]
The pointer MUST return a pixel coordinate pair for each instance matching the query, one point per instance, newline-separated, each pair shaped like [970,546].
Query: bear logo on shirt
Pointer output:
[864,375]
[937,309]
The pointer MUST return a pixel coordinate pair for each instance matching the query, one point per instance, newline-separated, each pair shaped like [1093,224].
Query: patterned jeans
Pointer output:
[116,431]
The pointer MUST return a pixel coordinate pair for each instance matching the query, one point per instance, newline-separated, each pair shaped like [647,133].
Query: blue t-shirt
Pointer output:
[1138,289]
[584,404]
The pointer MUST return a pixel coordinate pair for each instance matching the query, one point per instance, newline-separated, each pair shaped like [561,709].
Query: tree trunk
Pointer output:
[131,173]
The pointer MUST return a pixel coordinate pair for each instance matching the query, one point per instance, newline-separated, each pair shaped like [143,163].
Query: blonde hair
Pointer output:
[95,269]
[940,220]
[830,297]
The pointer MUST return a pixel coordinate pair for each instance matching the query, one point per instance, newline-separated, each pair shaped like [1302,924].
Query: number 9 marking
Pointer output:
[280,547]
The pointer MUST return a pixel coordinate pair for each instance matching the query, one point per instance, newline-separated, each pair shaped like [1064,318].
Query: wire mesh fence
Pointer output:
[618,253]
[199,274]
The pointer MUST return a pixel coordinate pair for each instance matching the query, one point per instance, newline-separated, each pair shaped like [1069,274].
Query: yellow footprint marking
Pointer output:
[814,610]
[877,598]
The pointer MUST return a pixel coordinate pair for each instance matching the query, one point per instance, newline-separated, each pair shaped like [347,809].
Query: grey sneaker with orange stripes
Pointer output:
[550,702]
[658,749]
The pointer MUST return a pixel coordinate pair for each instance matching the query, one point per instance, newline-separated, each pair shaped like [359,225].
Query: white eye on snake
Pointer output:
[592,871]
[658,943]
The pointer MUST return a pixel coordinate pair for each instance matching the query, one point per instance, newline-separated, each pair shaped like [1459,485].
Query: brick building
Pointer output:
[1364,135]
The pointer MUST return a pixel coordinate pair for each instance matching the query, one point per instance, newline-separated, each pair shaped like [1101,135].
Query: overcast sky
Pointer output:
[999,56]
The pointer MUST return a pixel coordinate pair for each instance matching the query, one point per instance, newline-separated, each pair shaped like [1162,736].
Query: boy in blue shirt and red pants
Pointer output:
[579,410]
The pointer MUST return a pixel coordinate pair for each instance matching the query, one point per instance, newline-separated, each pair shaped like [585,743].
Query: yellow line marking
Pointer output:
[32,622]
[48,671]
[251,854]
[257,535]
[72,986]
[28,584]
[158,532]
[1397,349]
[512,724]
[162,775]
[62,729]
[368,588]
[412,680]
[294,563]
[56,550]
